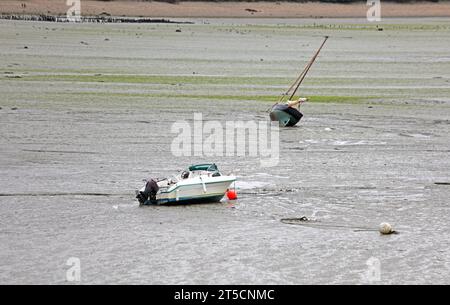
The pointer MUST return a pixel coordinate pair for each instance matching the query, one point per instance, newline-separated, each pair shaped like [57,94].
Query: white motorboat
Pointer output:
[200,183]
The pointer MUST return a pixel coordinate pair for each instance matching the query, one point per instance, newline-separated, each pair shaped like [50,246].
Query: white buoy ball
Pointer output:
[385,228]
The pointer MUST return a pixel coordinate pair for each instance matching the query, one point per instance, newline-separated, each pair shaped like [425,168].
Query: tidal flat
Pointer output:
[86,114]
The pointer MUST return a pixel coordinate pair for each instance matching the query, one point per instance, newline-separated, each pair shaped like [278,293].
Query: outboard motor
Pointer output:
[150,191]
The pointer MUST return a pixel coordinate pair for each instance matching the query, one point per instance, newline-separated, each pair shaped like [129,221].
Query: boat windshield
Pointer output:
[194,174]
[204,167]
[193,171]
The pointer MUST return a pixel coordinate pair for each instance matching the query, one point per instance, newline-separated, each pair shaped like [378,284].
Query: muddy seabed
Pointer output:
[86,114]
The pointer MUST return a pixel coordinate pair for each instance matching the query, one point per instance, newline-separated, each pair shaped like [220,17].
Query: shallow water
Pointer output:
[75,150]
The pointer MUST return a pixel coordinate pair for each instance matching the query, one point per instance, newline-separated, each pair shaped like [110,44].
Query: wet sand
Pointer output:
[86,111]
[227,9]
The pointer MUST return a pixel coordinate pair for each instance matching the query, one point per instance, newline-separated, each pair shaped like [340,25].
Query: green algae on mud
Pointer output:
[157,79]
[257,98]
[87,77]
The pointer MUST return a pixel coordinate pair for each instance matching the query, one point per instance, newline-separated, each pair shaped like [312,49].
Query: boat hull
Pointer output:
[285,115]
[195,200]
[212,190]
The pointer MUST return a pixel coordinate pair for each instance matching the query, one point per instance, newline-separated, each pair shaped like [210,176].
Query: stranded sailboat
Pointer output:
[284,111]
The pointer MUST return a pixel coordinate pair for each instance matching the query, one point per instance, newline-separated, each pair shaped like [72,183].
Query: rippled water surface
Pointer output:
[74,147]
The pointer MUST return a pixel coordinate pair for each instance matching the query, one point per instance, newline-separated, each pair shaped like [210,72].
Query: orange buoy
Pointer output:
[231,195]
